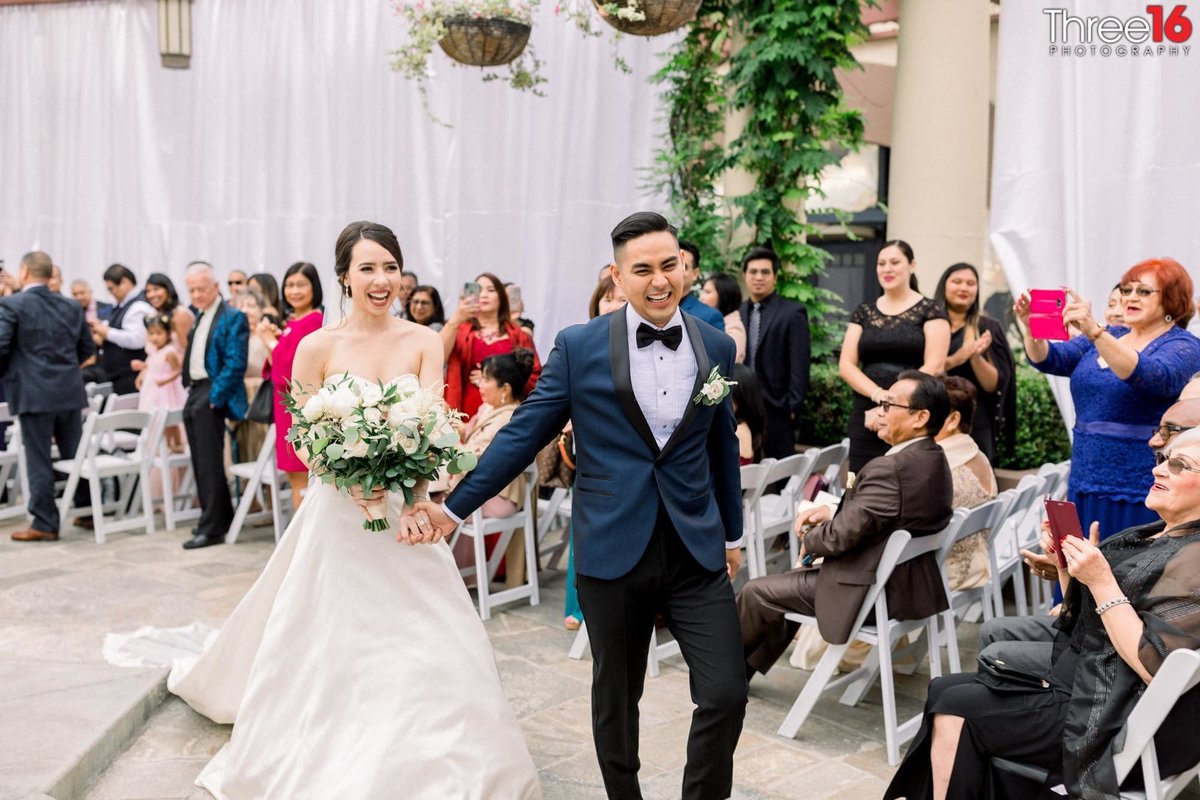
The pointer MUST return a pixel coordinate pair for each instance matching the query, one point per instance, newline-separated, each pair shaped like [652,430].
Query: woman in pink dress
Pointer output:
[302,306]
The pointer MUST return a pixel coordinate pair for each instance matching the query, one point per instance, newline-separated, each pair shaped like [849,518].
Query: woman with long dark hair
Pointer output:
[424,307]
[160,293]
[722,292]
[979,353]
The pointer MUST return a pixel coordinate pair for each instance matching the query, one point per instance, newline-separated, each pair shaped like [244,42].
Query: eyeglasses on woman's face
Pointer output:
[416,301]
[1141,291]
[1175,465]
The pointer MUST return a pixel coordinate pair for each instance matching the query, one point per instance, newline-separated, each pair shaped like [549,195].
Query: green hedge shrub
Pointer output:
[1041,435]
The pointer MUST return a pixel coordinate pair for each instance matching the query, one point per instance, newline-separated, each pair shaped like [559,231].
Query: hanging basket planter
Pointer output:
[484,42]
[658,16]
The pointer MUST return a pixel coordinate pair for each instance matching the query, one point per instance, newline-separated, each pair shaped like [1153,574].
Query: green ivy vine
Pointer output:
[798,123]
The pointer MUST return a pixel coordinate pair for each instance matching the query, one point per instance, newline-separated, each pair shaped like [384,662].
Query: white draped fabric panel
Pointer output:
[1096,161]
[290,124]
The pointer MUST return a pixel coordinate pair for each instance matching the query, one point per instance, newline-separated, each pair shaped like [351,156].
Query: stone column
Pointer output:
[938,179]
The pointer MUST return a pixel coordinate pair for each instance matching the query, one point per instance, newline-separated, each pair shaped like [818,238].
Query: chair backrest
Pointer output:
[101,390]
[5,414]
[146,422]
[829,460]
[1179,673]
[897,545]
[121,402]
[174,417]
[754,480]
[983,517]
[797,465]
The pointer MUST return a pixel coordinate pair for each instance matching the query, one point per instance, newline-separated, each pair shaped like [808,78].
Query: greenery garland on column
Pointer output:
[798,123]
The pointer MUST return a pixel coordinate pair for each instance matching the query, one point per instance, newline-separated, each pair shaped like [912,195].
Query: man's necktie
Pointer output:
[754,333]
[671,337]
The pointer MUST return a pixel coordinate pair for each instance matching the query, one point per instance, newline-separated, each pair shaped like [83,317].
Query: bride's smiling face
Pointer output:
[373,278]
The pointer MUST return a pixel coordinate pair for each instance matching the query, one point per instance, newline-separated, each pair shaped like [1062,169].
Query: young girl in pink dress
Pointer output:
[159,383]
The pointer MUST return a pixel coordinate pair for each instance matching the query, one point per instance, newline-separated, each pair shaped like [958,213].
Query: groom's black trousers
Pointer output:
[701,613]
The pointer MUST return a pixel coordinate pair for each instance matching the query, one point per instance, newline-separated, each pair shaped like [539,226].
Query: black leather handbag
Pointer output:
[262,407]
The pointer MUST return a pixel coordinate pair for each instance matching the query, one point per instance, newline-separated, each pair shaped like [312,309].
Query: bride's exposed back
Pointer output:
[343,667]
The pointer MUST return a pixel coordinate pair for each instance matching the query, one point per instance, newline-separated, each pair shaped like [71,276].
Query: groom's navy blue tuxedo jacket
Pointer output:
[622,474]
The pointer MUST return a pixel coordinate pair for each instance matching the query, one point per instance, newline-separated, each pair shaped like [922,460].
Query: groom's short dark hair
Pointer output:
[639,224]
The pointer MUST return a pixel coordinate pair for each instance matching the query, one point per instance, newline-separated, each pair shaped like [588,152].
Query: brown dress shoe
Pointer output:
[32,535]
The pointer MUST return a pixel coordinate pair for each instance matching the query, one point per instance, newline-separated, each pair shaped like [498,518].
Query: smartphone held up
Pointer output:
[1046,314]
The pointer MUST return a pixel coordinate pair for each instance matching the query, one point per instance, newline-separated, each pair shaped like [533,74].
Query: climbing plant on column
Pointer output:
[797,124]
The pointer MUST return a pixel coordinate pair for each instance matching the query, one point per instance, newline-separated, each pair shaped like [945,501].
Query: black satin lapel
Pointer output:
[618,358]
[703,367]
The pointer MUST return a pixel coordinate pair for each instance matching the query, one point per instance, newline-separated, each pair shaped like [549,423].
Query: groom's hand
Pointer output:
[442,525]
[733,561]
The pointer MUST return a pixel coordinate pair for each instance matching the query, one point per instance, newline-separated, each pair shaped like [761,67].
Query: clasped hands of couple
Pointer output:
[424,522]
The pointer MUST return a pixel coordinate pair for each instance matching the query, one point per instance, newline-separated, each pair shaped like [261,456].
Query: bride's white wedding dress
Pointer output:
[356,668]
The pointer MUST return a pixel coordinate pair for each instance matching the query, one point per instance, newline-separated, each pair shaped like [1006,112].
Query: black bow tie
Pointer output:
[671,337]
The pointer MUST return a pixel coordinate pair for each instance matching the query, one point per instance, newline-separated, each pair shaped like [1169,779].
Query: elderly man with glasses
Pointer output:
[908,488]
[237,281]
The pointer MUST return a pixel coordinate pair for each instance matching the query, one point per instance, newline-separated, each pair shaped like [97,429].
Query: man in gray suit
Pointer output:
[909,488]
[43,341]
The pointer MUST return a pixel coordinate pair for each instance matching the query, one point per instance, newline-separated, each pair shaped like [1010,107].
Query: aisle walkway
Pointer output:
[65,713]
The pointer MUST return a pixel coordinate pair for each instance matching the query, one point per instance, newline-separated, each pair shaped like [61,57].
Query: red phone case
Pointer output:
[1045,314]
[1064,522]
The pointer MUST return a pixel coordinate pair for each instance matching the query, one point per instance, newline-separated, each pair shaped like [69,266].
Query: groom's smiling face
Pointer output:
[650,272]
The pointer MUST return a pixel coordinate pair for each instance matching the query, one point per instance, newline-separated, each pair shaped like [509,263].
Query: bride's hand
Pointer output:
[418,527]
[365,501]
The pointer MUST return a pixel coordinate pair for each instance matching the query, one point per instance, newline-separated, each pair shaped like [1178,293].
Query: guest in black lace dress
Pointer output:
[979,352]
[901,330]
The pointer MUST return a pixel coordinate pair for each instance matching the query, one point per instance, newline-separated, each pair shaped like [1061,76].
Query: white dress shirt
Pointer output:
[662,378]
[196,370]
[132,333]
[898,447]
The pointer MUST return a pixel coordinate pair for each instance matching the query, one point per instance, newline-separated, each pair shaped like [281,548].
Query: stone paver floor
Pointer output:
[57,601]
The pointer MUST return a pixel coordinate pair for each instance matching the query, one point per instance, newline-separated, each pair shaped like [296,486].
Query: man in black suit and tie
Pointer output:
[43,341]
[777,349]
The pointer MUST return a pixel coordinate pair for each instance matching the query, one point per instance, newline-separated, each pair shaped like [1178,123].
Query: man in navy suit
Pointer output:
[657,507]
[690,304]
[43,340]
[214,370]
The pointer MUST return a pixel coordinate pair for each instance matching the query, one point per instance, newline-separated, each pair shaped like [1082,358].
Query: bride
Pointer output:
[355,667]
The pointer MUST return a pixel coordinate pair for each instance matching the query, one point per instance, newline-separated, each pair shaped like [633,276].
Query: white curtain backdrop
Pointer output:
[290,124]
[1096,159]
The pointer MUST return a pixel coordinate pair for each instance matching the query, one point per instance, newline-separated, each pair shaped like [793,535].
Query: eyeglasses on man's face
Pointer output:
[888,405]
[1141,291]
[1167,430]
[1175,465]
[233,283]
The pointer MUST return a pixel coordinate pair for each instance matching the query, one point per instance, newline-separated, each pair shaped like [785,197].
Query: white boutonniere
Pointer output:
[714,389]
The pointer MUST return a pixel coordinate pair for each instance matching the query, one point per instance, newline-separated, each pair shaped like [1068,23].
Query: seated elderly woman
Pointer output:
[502,380]
[974,483]
[1127,603]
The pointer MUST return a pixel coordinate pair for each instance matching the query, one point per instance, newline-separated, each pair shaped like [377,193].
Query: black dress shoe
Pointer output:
[200,540]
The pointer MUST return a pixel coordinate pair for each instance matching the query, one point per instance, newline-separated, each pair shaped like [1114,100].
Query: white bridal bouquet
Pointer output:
[387,435]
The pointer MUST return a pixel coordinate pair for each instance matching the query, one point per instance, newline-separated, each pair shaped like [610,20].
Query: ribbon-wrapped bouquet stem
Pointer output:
[375,435]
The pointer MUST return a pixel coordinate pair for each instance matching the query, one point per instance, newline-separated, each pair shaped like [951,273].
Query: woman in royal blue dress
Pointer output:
[1122,379]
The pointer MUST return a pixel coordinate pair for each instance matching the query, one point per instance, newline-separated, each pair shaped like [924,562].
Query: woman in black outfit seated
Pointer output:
[1127,604]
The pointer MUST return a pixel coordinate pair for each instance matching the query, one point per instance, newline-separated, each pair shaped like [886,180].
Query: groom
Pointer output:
[657,511]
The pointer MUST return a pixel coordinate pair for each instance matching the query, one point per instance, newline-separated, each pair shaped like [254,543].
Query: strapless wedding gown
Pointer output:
[356,668]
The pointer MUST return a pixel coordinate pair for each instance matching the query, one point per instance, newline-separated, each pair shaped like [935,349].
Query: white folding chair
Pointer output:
[829,462]
[132,469]
[985,517]
[484,568]
[1179,673]
[754,483]
[552,514]
[1020,529]
[776,513]
[10,463]
[900,548]
[255,475]
[120,440]
[98,390]
[176,503]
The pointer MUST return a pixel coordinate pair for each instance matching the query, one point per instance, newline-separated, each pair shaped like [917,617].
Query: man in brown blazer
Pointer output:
[908,488]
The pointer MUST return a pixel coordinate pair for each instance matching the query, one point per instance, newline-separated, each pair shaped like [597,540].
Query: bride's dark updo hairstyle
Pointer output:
[512,368]
[380,234]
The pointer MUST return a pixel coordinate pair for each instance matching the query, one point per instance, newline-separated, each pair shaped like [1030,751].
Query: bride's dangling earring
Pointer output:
[346,289]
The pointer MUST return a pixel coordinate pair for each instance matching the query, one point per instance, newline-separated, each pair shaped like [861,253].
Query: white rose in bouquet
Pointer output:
[314,408]
[407,385]
[371,395]
[358,449]
[407,444]
[372,414]
[403,414]
[341,402]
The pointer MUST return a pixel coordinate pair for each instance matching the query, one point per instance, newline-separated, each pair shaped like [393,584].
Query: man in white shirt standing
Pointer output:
[214,370]
[657,509]
[122,337]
